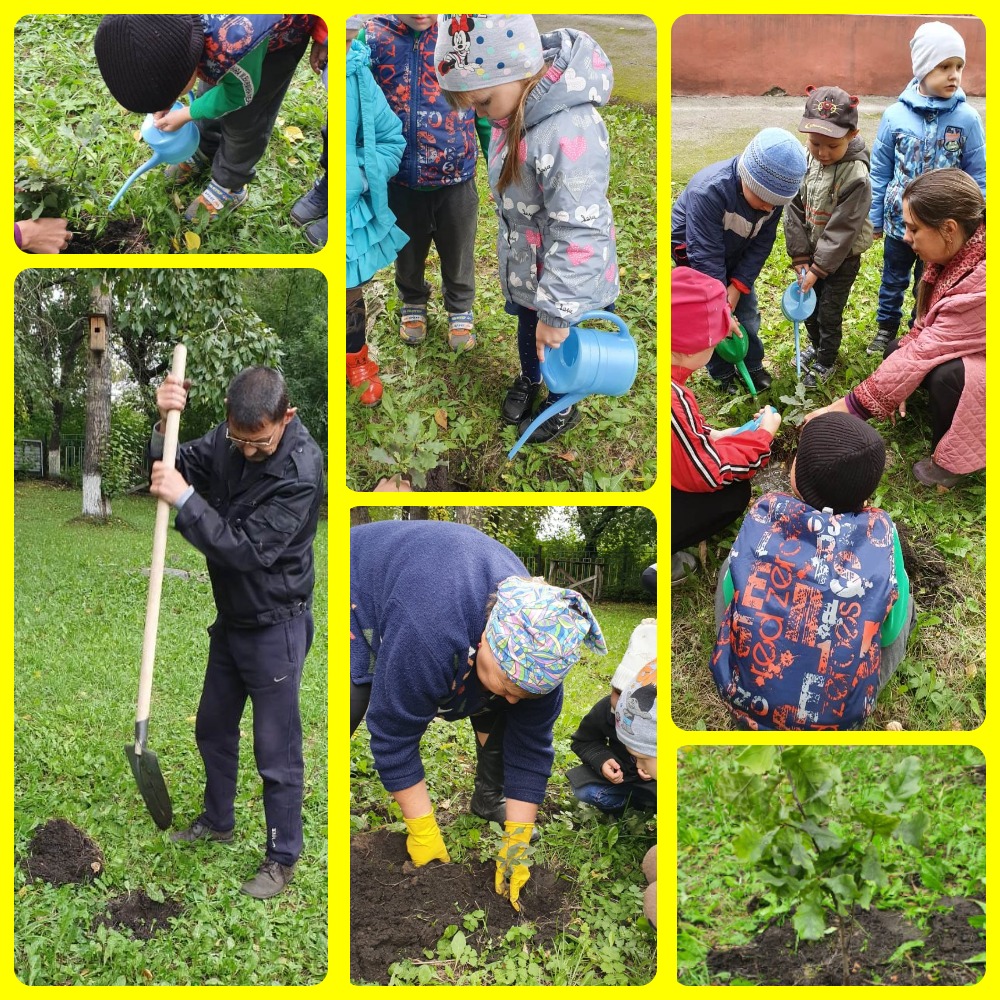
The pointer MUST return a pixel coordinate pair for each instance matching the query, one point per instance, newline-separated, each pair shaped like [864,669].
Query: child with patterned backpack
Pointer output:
[548,165]
[813,602]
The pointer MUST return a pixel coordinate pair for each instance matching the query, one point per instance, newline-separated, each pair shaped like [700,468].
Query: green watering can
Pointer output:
[734,349]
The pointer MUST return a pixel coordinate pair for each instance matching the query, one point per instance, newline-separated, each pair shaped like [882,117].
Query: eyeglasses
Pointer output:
[259,445]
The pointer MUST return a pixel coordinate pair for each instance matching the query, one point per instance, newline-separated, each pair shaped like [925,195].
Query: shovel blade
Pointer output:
[149,778]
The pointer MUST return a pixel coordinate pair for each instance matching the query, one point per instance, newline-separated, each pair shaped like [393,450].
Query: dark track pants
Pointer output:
[264,665]
[695,517]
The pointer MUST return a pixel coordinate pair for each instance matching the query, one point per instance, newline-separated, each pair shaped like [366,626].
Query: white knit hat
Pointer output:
[641,649]
[934,42]
[476,51]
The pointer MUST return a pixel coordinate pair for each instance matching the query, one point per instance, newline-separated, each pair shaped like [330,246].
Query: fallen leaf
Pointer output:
[293,161]
[95,866]
[568,456]
[971,670]
[137,135]
[293,133]
[147,974]
[193,240]
[175,243]
[178,204]
[441,419]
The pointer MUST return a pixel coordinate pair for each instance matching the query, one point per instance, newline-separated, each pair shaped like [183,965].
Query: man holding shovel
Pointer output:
[247,496]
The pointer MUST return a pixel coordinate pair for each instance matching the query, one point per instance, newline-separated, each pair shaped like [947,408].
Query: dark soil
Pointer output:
[772,959]
[925,566]
[61,853]
[137,913]
[398,910]
[117,236]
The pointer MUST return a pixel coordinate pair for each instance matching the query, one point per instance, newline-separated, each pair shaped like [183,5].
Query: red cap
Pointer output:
[699,311]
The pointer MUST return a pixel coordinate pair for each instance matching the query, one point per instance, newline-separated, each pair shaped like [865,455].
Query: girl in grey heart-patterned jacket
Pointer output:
[556,242]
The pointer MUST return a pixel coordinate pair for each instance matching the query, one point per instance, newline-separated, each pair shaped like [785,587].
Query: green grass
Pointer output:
[613,448]
[609,942]
[713,887]
[942,682]
[73,137]
[80,600]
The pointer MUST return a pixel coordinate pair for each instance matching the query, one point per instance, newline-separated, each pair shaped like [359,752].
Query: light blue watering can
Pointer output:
[798,306]
[589,362]
[167,147]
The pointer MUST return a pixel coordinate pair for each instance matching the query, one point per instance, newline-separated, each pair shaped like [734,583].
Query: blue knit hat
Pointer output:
[773,166]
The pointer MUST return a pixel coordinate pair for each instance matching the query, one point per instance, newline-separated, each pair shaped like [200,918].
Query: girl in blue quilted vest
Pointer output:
[813,603]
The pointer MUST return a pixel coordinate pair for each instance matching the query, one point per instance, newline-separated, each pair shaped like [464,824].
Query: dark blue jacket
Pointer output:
[441,144]
[418,609]
[724,236]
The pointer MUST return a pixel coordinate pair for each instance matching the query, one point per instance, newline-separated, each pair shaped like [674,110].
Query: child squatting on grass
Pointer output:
[710,470]
[724,224]
[373,151]
[635,726]
[813,602]
[242,63]
[548,164]
[929,127]
[434,195]
[826,225]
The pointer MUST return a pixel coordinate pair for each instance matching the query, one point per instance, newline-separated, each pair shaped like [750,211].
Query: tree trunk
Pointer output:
[360,515]
[98,432]
[415,513]
[476,516]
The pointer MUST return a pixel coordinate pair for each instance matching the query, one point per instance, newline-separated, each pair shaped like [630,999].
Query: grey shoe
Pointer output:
[271,878]
[315,233]
[817,375]
[808,353]
[312,205]
[881,340]
[682,565]
[928,472]
[201,831]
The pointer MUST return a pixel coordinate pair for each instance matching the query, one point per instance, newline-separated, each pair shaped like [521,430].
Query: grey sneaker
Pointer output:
[817,375]
[682,565]
[315,233]
[312,205]
[808,353]
[881,340]
[201,831]
[271,878]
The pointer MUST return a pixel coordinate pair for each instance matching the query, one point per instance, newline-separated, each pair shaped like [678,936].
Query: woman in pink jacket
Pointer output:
[945,352]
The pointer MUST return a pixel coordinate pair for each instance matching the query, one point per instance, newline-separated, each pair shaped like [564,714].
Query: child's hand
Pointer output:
[317,56]
[770,420]
[807,280]
[612,770]
[171,121]
[643,774]
[549,336]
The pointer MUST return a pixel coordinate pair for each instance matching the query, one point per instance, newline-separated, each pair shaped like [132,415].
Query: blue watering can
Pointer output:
[589,362]
[798,306]
[167,147]
[753,423]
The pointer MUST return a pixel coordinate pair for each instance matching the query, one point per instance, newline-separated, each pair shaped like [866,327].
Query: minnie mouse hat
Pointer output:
[355,23]
[830,111]
[476,51]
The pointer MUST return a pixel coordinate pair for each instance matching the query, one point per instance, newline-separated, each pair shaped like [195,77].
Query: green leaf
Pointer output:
[425,974]
[381,455]
[979,959]
[912,828]
[843,887]
[879,824]
[904,782]
[757,759]
[871,868]
[750,845]
[458,944]
[809,922]
[905,947]
[824,839]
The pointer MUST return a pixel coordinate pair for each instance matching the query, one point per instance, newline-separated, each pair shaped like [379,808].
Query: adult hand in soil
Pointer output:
[166,483]
[512,873]
[549,336]
[837,406]
[902,413]
[171,395]
[44,235]
[425,843]
[612,770]
[171,121]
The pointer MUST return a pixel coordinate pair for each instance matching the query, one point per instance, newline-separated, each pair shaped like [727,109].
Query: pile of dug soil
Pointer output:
[137,913]
[62,853]
[773,959]
[118,236]
[398,910]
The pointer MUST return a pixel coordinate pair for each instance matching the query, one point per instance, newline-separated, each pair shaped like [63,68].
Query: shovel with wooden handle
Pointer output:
[145,766]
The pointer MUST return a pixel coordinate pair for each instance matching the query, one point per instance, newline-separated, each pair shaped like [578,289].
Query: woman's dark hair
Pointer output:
[256,396]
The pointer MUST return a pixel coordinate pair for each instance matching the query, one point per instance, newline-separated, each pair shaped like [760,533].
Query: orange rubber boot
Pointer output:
[361,369]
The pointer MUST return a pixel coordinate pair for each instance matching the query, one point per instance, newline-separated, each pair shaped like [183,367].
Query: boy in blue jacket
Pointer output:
[724,224]
[434,195]
[930,126]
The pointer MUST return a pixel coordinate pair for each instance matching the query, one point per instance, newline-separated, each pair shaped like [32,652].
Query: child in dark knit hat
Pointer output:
[710,470]
[724,224]
[242,63]
[813,603]
[826,225]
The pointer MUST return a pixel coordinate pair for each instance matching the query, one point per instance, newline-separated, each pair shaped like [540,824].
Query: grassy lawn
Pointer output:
[609,942]
[941,684]
[445,408]
[723,903]
[80,601]
[76,144]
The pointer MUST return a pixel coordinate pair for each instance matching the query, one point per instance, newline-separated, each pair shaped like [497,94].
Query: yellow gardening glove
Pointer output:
[425,843]
[511,874]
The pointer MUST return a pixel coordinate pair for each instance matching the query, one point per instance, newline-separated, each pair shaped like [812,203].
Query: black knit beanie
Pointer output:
[839,462]
[147,59]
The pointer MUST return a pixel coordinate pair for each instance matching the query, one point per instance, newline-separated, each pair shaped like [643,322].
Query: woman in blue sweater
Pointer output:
[447,623]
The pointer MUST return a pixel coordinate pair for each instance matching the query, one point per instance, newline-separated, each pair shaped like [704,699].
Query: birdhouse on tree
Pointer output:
[98,332]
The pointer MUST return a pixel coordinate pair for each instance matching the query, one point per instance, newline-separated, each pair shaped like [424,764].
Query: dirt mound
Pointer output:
[118,236]
[397,911]
[61,853]
[773,959]
[137,913]
[925,566]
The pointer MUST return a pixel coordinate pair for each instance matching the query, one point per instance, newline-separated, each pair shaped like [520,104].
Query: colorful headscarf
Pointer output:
[635,713]
[535,632]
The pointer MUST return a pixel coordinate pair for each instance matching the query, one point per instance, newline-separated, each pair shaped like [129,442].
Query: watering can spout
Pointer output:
[148,165]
